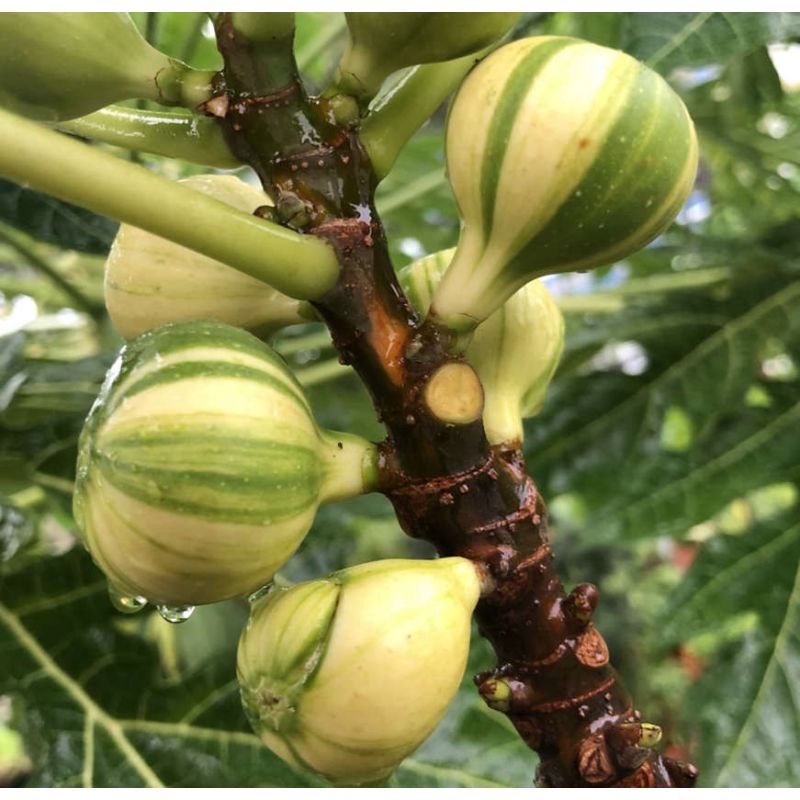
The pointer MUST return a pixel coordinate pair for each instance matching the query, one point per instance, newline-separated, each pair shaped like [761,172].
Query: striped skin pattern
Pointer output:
[347,675]
[515,351]
[150,281]
[563,155]
[201,467]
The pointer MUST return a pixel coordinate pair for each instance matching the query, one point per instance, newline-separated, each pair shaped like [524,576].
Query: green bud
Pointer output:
[650,735]
[151,281]
[201,466]
[348,675]
[496,694]
[515,351]
[57,66]
[563,155]
[381,43]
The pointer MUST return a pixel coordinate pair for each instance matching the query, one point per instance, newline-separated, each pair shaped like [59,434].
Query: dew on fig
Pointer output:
[259,593]
[176,614]
[125,602]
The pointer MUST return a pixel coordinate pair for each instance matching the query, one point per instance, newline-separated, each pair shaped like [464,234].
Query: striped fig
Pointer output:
[201,466]
[515,351]
[563,155]
[347,675]
[56,66]
[150,281]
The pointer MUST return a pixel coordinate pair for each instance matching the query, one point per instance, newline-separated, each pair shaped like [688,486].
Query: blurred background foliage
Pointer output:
[668,451]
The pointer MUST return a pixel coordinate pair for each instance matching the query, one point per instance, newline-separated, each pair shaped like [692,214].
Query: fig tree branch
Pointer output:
[553,678]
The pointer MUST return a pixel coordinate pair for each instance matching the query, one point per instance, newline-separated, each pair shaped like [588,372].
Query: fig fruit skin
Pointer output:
[383,42]
[346,676]
[201,467]
[56,66]
[563,155]
[151,281]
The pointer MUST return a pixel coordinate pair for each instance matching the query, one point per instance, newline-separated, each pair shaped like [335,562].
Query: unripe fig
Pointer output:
[201,466]
[515,351]
[563,155]
[381,43]
[348,675]
[150,281]
[56,66]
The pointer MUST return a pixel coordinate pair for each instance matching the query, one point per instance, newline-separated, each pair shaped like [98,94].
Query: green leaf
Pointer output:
[740,604]
[53,221]
[684,39]
[700,374]
[67,654]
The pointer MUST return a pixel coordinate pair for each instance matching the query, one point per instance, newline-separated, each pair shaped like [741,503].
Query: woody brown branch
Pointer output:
[447,486]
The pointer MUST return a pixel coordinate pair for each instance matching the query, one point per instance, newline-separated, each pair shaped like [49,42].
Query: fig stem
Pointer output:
[165,133]
[301,266]
[322,372]
[405,108]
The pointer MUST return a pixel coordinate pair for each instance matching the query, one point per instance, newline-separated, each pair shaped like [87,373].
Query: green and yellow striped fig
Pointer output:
[56,66]
[383,42]
[515,351]
[563,155]
[150,281]
[347,675]
[201,466]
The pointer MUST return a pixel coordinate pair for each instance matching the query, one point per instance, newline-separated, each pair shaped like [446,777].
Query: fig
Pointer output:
[201,467]
[563,155]
[346,676]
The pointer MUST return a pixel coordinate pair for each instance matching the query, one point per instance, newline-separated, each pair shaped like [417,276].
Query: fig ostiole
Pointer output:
[346,676]
[150,281]
[383,42]
[201,467]
[563,155]
[514,352]
[56,66]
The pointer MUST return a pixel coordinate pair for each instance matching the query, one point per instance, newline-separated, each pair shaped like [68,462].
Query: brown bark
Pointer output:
[553,678]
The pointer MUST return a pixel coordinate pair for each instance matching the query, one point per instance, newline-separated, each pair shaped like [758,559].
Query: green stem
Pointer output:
[320,373]
[409,192]
[165,133]
[317,340]
[15,240]
[405,108]
[28,497]
[301,266]
[53,482]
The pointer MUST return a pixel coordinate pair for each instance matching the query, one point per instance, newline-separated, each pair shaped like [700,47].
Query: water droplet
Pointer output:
[260,592]
[124,602]
[176,614]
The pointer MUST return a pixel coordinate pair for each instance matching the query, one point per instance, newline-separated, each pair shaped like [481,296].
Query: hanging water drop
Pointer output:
[124,602]
[260,592]
[176,614]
